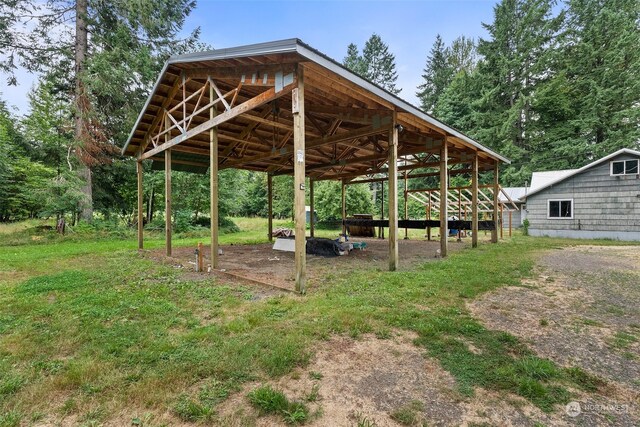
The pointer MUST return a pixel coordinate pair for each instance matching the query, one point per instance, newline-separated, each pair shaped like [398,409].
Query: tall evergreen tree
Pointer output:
[380,64]
[516,60]
[457,104]
[353,60]
[437,76]
[601,59]
[462,55]
[375,64]
[49,126]
[107,72]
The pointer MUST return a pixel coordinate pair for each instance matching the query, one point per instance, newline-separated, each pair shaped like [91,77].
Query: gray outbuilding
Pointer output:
[599,200]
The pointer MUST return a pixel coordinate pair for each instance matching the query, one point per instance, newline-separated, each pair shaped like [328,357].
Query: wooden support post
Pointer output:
[393,197]
[167,200]
[444,154]
[139,170]
[501,222]
[344,209]
[474,202]
[510,222]
[459,214]
[213,172]
[381,233]
[406,206]
[297,108]
[496,193]
[312,220]
[270,206]
[200,260]
[429,217]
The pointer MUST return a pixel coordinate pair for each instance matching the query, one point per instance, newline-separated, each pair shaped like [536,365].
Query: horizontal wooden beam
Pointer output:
[252,74]
[353,115]
[248,105]
[182,162]
[378,156]
[370,171]
[418,175]
[286,151]
[468,187]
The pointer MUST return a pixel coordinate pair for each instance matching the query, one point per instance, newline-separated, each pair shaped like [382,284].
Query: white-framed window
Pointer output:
[560,209]
[625,167]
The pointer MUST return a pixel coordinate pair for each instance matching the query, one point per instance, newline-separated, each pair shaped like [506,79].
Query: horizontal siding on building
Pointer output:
[516,220]
[600,202]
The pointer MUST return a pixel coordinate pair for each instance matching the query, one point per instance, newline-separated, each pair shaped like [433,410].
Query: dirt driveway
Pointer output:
[582,309]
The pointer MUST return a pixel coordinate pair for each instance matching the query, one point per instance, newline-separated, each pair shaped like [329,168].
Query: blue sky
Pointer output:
[408,27]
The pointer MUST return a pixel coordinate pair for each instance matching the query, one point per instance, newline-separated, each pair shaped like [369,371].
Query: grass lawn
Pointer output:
[90,331]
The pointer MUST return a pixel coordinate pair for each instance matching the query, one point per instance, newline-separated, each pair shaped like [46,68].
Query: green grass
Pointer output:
[623,340]
[273,402]
[408,414]
[190,410]
[89,328]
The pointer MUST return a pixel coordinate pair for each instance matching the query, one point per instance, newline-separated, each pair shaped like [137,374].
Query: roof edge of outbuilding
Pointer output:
[584,168]
[306,51]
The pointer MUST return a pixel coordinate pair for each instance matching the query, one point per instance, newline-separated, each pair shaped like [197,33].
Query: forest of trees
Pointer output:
[552,86]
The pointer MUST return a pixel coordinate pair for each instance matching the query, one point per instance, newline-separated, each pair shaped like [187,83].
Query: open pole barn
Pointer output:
[285,108]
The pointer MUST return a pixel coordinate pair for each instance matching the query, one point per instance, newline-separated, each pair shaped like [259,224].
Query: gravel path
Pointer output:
[582,309]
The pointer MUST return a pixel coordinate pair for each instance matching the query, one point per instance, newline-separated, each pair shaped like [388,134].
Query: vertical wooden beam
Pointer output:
[459,214]
[344,209]
[466,217]
[501,222]
[270,206]
[139,171]
[167,199]
[381,233]
[444,154]
[496,193]
[312,222]
[200,259]
[474,202]
[213,172]
[406,206]
[429,217]
[510,226]
[297,108]
[393,197]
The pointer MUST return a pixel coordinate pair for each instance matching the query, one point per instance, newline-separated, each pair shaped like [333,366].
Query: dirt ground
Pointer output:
[574,313]
[368,380]
[256,264]
[582,309]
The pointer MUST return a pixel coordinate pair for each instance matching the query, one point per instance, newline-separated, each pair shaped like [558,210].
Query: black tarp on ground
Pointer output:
[323,247]
[420,224]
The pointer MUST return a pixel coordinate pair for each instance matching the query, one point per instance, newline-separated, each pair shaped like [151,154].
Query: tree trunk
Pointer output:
[81,48]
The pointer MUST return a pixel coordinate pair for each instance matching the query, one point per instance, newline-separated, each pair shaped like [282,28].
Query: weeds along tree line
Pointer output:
[552,86]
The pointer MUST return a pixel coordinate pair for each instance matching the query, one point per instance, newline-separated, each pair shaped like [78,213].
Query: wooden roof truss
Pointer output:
[459,199]
[346,126]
